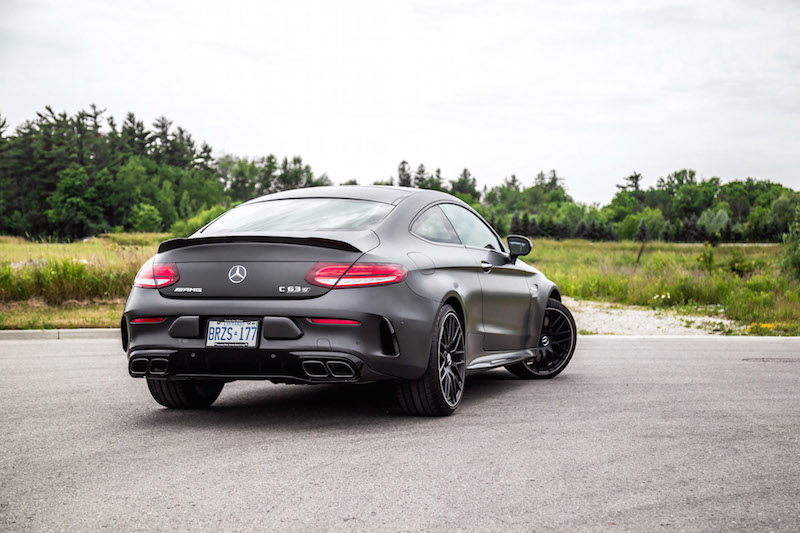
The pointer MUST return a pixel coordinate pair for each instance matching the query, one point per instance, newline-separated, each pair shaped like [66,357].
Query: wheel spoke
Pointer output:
[559,330]
[455,341]
[451,361]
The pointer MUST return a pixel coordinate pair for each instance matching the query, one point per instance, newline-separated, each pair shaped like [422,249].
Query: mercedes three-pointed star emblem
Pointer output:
[237,273]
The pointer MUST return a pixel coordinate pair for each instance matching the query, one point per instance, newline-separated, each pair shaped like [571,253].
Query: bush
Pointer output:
[790,261]
[145,218]
[184,228]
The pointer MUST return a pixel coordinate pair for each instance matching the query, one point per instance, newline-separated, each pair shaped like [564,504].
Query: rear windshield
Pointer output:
[300,214]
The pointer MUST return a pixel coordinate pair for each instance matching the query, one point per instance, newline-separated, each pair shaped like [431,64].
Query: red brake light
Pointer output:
[156,275]
[335,321]
[147,320]
[343,275]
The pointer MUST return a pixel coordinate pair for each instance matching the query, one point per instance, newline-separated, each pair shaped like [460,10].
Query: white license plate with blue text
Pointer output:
[232,333]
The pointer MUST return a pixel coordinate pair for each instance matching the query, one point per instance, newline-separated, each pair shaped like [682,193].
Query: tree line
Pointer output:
[77,175]
[680,207]
[72,176]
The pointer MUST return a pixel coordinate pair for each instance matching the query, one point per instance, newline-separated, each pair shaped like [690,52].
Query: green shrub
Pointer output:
[184,228]
[145,217]
[790,261]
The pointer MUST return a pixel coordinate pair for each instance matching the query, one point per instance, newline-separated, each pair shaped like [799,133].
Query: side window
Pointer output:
[472,230]
[434,226]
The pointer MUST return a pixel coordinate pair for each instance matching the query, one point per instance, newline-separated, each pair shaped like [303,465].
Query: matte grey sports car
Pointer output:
[343,285]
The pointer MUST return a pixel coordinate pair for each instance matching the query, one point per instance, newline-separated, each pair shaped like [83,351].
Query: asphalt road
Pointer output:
[638,434]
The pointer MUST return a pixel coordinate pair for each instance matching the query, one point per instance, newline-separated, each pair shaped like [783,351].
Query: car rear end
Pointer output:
[318,305]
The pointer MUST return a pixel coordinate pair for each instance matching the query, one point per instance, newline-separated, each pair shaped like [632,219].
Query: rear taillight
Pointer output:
[342,275]
[156,275]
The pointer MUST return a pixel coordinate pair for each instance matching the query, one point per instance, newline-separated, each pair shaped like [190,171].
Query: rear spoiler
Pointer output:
[174,244]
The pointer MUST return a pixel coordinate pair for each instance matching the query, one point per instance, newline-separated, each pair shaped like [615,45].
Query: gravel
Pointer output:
[615,319]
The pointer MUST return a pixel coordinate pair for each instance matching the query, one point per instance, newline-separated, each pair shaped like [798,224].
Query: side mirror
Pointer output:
[519,246]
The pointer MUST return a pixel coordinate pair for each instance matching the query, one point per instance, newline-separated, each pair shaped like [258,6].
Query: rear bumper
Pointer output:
[391,341]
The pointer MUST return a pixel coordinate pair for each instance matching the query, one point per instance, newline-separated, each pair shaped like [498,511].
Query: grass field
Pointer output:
[740,282]
[56,285]
[46,285]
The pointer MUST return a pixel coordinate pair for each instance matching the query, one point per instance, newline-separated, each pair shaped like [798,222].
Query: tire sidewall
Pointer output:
[555,304]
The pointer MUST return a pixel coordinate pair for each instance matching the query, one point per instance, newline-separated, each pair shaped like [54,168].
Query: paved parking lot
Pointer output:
[638,434]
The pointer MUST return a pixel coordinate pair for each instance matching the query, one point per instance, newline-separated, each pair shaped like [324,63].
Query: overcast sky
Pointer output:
[593,89]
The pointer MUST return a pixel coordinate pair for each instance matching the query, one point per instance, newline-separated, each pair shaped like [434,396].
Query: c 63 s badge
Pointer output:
[188,289]
[293,289]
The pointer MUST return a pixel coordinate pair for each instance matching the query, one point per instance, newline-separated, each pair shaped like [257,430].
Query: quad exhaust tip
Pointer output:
[158,366]
[315,369]
[324,369]
[139,367]
[340,369]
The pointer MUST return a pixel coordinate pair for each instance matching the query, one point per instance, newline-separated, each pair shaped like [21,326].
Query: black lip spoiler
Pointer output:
[174,244]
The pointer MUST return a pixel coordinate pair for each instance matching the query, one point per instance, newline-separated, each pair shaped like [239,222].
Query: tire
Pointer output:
[556,345]
[184,394]
[440,389]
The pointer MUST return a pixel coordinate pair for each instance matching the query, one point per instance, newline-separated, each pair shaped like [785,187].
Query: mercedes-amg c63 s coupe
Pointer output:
[343,285]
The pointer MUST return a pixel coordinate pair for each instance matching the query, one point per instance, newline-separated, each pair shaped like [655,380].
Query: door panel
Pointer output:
[504,286]
[506,301]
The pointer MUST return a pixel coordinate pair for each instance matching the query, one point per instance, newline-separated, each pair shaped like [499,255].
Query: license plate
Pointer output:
[232,333]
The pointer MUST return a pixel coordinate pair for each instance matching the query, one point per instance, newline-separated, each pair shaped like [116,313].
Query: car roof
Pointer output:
[376,193]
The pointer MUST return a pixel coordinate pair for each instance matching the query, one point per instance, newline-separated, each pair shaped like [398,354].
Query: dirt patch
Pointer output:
[615,319]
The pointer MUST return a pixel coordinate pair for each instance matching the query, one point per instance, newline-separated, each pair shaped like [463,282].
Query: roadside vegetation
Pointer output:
[73,176]
[84,284]
[744,283]
[72,238]
[48,284]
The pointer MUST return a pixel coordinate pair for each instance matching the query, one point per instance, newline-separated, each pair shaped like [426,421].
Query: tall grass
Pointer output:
[741,282]
[59,280]
[97,269]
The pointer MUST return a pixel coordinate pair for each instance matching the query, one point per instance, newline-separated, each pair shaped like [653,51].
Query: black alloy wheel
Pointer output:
[439,391]
[452,360]
[556,345]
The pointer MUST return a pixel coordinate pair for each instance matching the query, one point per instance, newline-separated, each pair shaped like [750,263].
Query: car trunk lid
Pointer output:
[256,266]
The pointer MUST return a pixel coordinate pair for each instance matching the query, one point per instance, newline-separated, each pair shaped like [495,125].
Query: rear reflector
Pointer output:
[147,320]
[343,275]
[336,321]
[156,275]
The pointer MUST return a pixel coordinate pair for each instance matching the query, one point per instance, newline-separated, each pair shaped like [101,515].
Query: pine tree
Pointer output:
[403,176]
[465,185]
[533,228]
[560,230]
[515,228]
[420,177]
[643,232]
[593,231]
[580,230]
[632,183]
[727,232]
[666,232]
[525,224]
